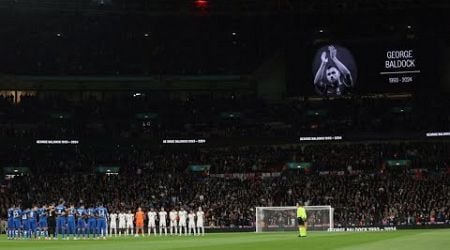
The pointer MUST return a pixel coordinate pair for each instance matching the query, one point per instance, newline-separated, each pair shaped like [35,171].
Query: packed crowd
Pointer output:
[160,115]
[353,178]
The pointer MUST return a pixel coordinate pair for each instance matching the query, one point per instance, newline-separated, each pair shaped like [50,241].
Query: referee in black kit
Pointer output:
[51,221]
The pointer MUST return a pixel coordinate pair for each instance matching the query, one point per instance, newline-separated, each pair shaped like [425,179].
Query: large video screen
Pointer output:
[343,68]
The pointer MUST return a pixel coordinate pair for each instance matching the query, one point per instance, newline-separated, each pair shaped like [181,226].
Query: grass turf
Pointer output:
[409,239]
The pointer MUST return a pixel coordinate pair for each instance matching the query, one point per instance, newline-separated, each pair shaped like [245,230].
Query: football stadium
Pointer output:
[224,124]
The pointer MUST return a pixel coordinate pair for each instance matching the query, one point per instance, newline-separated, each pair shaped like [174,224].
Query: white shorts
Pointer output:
[182,223]
[130,225]
[162,223]
[121,224]
[152,224]
[173,223]
[113,225]
[191,224]
[199,223]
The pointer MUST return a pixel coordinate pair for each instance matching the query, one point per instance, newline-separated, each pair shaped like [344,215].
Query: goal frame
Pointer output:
[330,211]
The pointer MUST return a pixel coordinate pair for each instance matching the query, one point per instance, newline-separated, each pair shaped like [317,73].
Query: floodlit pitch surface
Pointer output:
[409,239]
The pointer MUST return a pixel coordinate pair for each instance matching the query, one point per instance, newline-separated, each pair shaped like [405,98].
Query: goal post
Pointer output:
[275,219]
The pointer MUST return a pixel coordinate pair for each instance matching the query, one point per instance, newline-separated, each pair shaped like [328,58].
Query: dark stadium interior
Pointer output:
[121,77]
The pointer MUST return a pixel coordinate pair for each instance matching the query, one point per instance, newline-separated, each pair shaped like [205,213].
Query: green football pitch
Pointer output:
[409,239]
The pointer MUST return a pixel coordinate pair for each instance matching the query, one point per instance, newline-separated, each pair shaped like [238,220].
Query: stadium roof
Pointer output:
[211,7]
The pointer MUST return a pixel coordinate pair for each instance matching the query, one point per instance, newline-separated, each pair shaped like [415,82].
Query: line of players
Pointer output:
[61,220]
[180,222]
[92,222]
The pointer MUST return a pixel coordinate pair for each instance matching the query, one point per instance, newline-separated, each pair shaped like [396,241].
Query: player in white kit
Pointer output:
[191,225]
[122,223]
[182,214]
[162,221]
[130,219]
[151,221]
[113,224]
[200,221]
[173,221]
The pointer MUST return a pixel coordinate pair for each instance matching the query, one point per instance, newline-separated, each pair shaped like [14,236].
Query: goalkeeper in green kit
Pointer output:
[301,219]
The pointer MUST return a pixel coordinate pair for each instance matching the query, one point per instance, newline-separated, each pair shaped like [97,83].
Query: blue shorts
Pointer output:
[10,223]
[92,224]
[32,224]
[17,224]
[81,224]
[101,224]
[25,225]
[43,224]
[71,225]
[61,222]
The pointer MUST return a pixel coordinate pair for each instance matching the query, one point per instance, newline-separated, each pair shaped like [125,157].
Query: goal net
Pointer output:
[320,218]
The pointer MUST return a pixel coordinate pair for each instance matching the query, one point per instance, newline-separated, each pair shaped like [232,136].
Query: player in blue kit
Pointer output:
[17,221]
[92,222]
[71,212]
[60,219]
[24,223]
[43,222]
[10,229]
[81,221]
[102,218]
[32,221]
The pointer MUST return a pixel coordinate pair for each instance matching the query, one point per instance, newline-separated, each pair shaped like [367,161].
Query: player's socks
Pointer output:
[302,231]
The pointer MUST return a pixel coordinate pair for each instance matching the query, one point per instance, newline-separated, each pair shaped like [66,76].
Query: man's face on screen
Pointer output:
[333,74]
